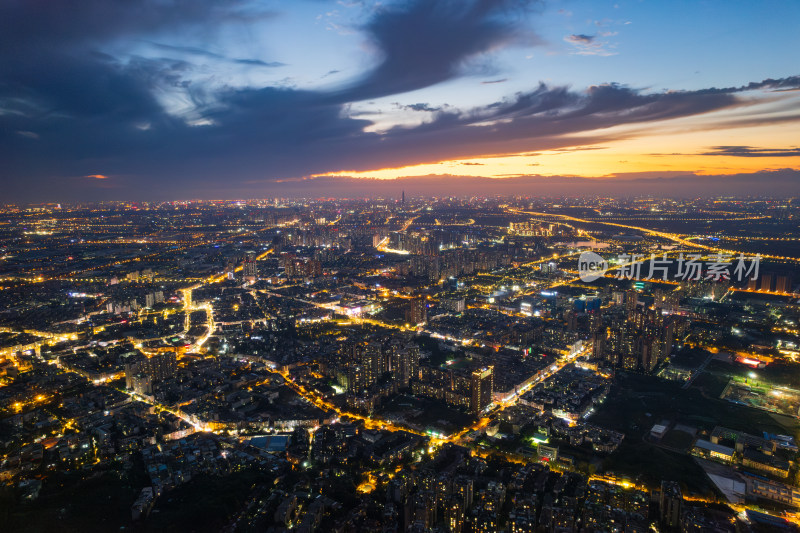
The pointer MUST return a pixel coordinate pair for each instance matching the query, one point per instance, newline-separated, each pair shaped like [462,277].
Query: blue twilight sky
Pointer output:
[170,99]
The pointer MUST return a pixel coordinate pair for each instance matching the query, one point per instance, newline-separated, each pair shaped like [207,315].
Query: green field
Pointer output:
[677,439]
[711,385]
[636,402]
[776,373]
[434,414]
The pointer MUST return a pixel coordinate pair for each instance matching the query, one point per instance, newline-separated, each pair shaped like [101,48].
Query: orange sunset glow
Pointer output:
[682,145]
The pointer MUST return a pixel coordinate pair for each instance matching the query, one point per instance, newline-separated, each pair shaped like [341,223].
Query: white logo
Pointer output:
[591,266]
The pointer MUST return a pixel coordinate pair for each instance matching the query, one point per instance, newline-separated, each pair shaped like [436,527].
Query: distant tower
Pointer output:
[403,198]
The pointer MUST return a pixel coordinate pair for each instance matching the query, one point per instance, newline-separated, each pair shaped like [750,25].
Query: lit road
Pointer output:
[662,234]
[383,246]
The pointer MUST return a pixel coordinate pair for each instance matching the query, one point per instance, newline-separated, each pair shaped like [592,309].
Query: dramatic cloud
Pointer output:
[43,24]
[670,184]
[419,107]
[749,151]
[191,50]
[72,105]
[425,42]
[740,151]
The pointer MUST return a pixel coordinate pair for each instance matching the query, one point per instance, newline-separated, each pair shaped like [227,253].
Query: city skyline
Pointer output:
[177,100]
[400,266]
[487,364]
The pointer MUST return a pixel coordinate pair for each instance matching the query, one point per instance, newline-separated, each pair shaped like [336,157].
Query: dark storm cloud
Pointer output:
[70,111]
[525,121]
[45,23]
[92,110]
[749,151]
[51,69]
[274,132]
[742,151]
[425,42]
[192,50]
[791,83]
[50,61]
[419,107]
[46,83]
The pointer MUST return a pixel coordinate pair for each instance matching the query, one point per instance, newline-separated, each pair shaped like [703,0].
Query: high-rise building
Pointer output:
[454,515]
[598,344]
[163,366]
[295,267]
[481,389]
[366,366]
[670,502]
[404,363]
[595,321]
[455,304]
[157,368]
[649,350]
[313,268]
[249,268]
[631,301]
[463,489]
[571,318]
[417,312]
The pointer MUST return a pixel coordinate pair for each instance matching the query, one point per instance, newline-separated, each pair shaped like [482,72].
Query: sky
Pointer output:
[194,99]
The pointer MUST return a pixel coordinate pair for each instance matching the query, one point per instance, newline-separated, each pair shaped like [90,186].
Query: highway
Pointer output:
[674,237]
[383,246]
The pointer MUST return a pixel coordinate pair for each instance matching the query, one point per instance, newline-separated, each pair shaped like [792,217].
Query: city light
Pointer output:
[418,265]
